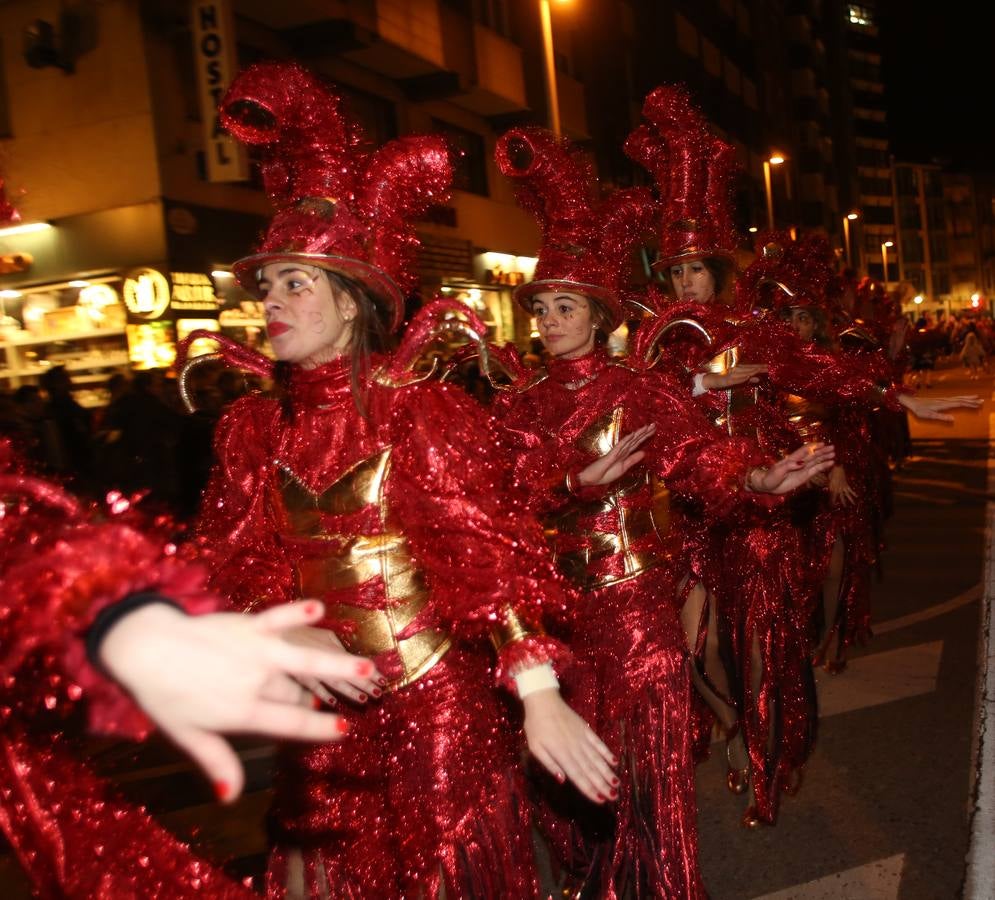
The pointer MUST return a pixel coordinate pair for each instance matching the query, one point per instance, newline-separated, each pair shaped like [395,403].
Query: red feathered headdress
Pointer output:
[586,242]
[339,207]
[694,173]
[787,274]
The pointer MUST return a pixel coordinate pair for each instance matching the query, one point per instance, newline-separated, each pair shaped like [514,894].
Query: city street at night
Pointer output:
[883,812]
[496,450]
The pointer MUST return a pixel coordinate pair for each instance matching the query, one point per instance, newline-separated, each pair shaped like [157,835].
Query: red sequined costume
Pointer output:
[760,568]
[399,520]
[616,543]
[73,834]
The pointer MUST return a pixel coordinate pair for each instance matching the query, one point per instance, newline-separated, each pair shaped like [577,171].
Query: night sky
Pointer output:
[939,74]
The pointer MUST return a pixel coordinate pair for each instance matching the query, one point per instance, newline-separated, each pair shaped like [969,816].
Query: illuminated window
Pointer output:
[859,15]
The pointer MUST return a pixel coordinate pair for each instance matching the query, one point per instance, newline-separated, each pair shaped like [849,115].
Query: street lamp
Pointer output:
[847,219]
[775,160]
[552,96]
[884,259]
[917,299]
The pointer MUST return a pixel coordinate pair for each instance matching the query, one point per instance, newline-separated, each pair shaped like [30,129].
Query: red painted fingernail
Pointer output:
[364,669]
[382,681]
[377,692]
[614,795]
[222,790]
[362,698]
[560,777]
[310,608]
[615,782]
[342,726]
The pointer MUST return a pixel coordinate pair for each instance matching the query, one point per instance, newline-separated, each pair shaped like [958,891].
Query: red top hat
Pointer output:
[694,172]
[787,274]
[339,206]
[586,242]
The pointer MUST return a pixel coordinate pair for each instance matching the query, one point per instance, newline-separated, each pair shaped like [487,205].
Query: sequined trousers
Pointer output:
[631,683]
[423,800]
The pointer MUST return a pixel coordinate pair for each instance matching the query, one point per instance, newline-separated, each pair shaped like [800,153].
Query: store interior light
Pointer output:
[24,228]
[222,273]
[975,297]
[79,283]
[753,229]
[917,299]
[10,295]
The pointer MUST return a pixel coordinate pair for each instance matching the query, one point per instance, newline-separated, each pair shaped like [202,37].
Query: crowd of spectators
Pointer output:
[143,441]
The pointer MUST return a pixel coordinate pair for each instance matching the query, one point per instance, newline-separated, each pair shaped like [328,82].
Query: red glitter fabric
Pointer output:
[350,209]
[587,241]
[424,796]
[630,680]
[694,173]
[759,596]
[72,834]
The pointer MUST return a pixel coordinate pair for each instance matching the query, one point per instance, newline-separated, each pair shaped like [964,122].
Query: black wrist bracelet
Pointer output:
[109,616]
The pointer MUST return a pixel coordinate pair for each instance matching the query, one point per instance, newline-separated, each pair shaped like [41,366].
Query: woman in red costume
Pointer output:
[839,522]
[597,446]
[757,675]
[97,612]
[382,494]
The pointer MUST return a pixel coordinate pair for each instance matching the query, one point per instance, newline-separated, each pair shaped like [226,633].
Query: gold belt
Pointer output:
[358,560]
[633,525]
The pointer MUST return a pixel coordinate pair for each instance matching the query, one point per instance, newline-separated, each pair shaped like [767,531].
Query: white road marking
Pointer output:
[877,880]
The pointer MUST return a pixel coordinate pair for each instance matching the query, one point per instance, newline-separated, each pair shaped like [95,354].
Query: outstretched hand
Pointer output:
[565,744]
[840,491]
[198,677]
[934,408]
[792,471]
[617,461]
[744,373]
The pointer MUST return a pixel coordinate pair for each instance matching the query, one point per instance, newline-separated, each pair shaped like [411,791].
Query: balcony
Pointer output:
[495,84]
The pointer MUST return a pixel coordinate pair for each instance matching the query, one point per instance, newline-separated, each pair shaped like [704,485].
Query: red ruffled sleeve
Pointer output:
[235,527]
[59,573]
[483,553]
[692,457]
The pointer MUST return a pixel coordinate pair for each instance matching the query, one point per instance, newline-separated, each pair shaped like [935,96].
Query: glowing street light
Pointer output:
[775,160]
[884,258]
[847,219]
[552,96]
[917,299]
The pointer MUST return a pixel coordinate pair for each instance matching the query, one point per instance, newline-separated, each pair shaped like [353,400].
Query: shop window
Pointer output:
[859,15]
[471,167]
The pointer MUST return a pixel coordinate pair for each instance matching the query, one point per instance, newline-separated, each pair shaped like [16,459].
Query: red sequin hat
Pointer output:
[787,274]
[694,173]
[586,242]
[339,206]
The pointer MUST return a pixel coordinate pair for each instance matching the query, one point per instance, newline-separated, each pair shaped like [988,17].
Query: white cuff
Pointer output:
[538,678]
[699,385]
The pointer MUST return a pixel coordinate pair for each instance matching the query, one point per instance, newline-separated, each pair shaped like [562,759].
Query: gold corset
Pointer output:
[806,416]
[634,523]
[355,559]
[738,399]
